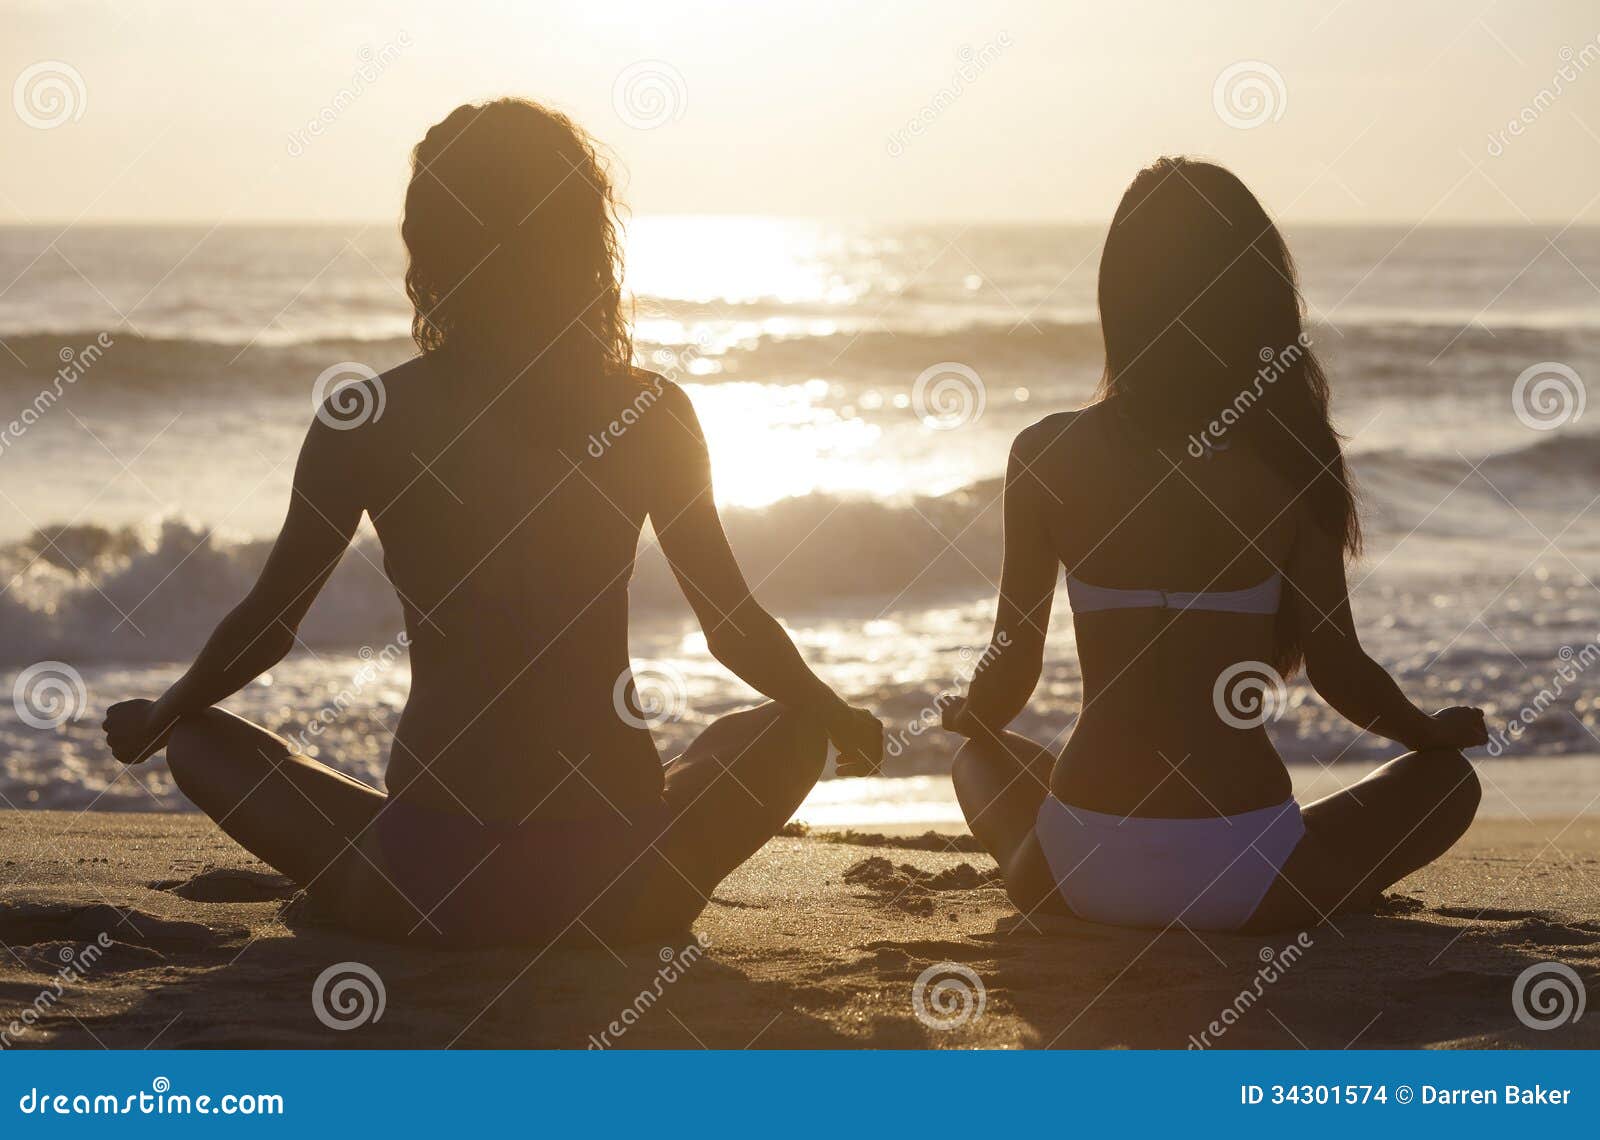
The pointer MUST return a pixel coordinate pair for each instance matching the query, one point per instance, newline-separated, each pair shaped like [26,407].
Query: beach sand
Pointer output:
[814,943]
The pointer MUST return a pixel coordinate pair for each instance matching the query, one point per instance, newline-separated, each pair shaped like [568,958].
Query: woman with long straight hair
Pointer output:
[508,471]
[1204,516]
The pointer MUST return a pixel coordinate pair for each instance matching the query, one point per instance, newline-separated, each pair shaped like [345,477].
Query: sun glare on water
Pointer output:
[732,261]
[709,292]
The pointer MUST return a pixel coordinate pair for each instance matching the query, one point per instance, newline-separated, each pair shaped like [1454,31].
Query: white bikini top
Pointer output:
[1261,598]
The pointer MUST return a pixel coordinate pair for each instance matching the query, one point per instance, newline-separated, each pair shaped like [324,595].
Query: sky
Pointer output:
[1353,111]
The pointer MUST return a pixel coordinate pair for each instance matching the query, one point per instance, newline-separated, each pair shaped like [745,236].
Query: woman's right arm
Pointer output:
[325,507]
[1339,669]
[1010,666]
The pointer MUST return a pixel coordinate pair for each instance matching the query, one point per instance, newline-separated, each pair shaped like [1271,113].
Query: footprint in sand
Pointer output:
[226,884]
[1389,905]
[115,957]
[30,923]
[910,888]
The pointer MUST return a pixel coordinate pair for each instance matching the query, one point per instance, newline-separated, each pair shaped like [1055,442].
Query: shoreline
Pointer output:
[1521,789]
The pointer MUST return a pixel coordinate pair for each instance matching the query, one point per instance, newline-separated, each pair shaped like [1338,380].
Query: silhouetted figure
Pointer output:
[1203,513]
[525,792]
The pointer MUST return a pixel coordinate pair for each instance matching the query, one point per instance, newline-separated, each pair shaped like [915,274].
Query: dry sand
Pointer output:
[814,943]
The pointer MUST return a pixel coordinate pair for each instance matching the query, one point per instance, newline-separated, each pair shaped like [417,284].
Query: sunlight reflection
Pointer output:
[736,260]
[772,441]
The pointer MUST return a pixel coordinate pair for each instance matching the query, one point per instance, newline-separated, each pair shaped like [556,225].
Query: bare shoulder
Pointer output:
[354,401]
[1053,436]
[353,408]
[643,415]
[661,401]
[634,392]
[667,392]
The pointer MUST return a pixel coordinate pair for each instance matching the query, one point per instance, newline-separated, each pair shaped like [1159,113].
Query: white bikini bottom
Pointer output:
[1208,874]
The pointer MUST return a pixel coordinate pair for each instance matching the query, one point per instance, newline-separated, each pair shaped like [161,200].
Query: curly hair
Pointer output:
[512,231]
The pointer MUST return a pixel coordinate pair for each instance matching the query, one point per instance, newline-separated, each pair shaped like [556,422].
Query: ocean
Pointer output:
[859,387]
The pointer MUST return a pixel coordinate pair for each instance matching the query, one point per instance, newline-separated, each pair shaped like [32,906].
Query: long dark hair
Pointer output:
[512,225]
[1206,345]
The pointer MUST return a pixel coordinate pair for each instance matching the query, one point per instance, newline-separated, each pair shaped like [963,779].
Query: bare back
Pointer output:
[510,541]
[1116,512]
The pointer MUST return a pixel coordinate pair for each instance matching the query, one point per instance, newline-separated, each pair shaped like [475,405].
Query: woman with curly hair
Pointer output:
[525,794]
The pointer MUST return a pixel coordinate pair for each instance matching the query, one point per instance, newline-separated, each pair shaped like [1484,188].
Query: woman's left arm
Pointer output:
[324,509]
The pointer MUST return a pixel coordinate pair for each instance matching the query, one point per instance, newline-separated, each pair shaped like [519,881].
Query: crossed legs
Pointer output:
[1362,840]
[731,791]
[1358,842]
